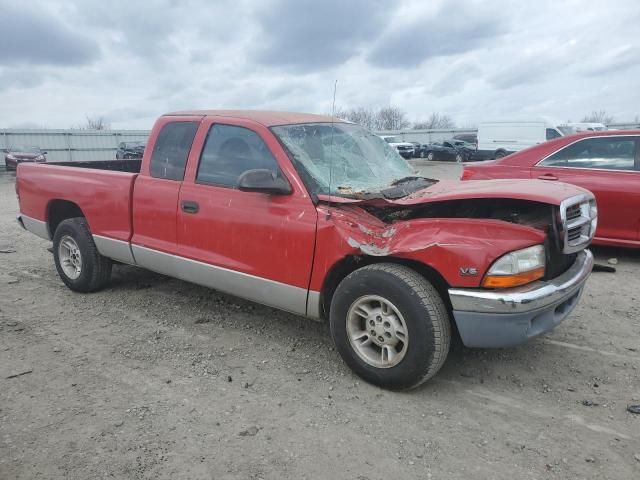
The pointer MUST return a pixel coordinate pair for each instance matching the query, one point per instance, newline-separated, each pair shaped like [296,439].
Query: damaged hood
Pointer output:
[541,191]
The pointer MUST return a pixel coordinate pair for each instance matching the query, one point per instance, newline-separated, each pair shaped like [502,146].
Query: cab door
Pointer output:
[251,244]
[608,167]
[156,190]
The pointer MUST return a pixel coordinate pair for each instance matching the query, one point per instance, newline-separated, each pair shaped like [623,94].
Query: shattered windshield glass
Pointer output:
[347,160]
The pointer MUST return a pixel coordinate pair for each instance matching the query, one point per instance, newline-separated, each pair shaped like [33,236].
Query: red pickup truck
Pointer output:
[322,218]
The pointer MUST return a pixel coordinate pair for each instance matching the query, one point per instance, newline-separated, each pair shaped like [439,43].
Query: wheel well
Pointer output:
[351,263]
[60,210]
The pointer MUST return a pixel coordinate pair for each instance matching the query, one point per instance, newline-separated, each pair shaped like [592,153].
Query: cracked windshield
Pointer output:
[345,159]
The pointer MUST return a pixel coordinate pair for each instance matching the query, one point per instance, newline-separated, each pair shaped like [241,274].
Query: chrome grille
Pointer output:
[579,221]
[573,212]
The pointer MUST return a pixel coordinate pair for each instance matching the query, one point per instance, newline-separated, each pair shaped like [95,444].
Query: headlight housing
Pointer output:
[516,268]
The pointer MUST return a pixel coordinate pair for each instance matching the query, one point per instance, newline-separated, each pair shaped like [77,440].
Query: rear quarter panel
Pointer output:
[103,196]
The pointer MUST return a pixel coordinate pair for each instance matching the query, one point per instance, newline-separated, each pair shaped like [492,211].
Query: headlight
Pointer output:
[11,157]
[516,268]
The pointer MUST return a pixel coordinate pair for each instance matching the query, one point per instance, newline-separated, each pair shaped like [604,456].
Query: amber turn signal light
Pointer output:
[506,281]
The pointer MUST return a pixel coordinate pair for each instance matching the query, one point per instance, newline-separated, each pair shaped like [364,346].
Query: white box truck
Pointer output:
[500,138]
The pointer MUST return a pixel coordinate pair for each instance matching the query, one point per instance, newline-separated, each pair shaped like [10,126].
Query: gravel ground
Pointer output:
[157,378]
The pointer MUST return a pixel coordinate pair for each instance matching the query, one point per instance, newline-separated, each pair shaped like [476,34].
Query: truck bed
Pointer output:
[102,190]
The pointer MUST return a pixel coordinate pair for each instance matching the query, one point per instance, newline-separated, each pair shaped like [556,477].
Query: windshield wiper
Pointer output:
[406,186]
[412,178]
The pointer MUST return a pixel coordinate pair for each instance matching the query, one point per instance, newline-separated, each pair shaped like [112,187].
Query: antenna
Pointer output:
[333,113]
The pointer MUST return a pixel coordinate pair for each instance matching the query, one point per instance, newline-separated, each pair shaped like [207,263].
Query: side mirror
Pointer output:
[44,153]
[263,180]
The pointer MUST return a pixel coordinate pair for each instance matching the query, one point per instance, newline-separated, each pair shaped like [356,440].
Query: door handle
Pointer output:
[548,176]
[189,207]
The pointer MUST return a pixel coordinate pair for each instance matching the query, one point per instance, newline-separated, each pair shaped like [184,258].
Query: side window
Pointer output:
[171,150]
[229,151]
[609,153]
[552,133]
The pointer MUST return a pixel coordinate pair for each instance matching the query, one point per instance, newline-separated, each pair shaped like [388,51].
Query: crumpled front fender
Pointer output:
[459,249]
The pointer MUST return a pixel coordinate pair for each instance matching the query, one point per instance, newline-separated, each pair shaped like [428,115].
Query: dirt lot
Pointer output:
[157,378]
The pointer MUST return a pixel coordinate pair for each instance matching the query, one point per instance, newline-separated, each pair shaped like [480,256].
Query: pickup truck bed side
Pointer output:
[103,196]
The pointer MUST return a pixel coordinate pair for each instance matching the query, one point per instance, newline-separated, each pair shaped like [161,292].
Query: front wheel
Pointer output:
[421,154]
[430,156]
[390,326]
[78,262]
[458,158]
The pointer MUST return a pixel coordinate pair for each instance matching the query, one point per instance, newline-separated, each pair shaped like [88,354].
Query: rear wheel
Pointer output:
[458,158]
[421,154]
[390,326]
[430,156]
[500,154]
[77,260]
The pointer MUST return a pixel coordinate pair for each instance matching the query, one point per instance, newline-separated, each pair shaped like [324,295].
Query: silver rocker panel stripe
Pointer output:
[314,308]
[115,249]
[260,290]
[35,226]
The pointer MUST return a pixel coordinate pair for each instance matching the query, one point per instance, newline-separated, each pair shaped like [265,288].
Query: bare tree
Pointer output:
[385,118]
[390,118]
[95,123]
[435,120]
[361,116]
[598,116]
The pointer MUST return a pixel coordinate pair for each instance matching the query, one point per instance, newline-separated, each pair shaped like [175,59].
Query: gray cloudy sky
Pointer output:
[131,60]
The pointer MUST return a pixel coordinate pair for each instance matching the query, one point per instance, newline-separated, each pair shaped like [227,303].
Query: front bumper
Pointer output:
[509,317]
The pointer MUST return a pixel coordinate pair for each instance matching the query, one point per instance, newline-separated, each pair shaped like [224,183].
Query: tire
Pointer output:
[430,156]
[413,304]
[77,260]
[499,154]
[458,158]
[421,154]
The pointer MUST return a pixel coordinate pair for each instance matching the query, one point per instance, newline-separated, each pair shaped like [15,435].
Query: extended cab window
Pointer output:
[229,151]
[171,150]
[609,153]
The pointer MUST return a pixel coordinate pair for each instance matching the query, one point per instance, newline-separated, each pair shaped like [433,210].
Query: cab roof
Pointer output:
[266,118]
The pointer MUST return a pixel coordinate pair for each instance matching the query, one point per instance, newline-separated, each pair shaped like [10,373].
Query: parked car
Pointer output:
[405,149]
[606,163]
[322,218]
[499,139]
[456,151]
[418,148]
[129,150]
[15,155]
[467,137]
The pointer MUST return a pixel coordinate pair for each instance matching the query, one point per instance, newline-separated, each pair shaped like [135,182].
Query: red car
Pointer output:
[15,155]
[323,218]
[606,163]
